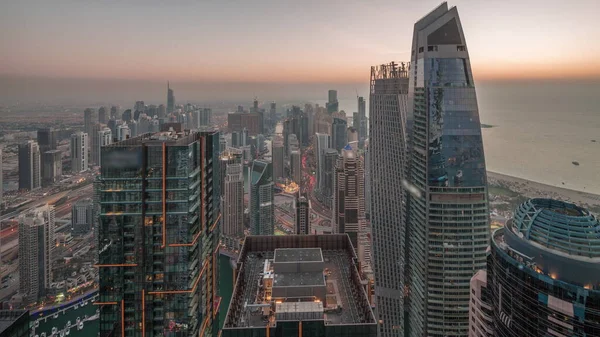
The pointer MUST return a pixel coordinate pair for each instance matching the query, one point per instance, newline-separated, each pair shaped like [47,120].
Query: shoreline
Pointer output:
[534,189]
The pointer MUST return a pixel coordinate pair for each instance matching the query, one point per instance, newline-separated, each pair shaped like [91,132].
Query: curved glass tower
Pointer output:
[447,224]
[544,272]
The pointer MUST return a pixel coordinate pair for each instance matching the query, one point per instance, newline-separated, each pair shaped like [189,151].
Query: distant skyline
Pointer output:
[285,41]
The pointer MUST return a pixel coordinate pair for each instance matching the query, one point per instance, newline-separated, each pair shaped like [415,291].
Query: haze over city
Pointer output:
[306,168]
[89,48]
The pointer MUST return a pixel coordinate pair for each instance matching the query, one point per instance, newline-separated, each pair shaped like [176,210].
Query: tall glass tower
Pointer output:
[447,232]
[159,235]
[262,209]
[387,152]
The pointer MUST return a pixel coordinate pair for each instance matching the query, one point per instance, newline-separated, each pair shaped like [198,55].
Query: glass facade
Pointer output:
[262,210]
[158,236]
[527,301]
[447,222]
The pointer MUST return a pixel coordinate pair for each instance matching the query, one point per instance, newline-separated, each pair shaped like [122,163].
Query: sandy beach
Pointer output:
[534,189]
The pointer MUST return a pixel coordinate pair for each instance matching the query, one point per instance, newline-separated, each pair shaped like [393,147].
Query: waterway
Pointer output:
[90,328]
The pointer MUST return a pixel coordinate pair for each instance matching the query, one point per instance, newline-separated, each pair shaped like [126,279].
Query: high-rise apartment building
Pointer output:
[273,114]
[228,156]
[36,247]
[51,167]
[348,211]
[46,138]
[480,307]
[103,137]
[233,205]
[252,121]
[159,235]
[170,99]
[82,217]
[162,111]
[79,152]
[543,273]
[278,158]
[30,170]
[332,103]
[262,209]
[387,170]
[339,135]
[123,132]
[448,218]
[301,214]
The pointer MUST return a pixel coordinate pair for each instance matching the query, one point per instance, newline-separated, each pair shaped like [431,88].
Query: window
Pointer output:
[420,49]
[461,48]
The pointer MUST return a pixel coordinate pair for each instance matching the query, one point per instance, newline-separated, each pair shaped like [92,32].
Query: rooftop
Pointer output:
[298,255]
[311,278]
[346,300]
[9,317]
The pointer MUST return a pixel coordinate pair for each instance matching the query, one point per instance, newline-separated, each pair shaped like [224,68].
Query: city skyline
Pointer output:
[531,40]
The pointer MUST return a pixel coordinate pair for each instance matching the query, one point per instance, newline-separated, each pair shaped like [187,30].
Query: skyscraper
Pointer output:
[51,167]
[102,115]
[104,137]
[339,135]
[82,217]
[89,117]
[262,210]
[233,205]
[278,158]
[348,211]
[296,166]
[170,99]
[387,162]
[158,248]
[204,117]
[79,152]
[448,219]
[362,122]
[301,214]
[162,111]
[36,247]
[273,114]
[332,104]
[30,171]
[46,138]
[330,157]
[114,112]
[323,142]
[543,273]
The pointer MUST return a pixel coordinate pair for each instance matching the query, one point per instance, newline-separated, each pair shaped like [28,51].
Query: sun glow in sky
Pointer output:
[286,41]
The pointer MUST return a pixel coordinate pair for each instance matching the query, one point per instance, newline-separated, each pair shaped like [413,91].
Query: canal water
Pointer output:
[90,328]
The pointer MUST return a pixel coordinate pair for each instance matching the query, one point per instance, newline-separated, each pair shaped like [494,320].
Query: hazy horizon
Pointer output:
[284,41]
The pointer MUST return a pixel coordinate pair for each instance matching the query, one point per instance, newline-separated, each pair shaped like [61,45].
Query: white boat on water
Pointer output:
[80,326]
[76,306]
[54,329]
[68,331]
[55,315]
[68,323]
[36,324]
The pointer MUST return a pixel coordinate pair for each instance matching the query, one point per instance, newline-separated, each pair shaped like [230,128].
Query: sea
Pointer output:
[539,131]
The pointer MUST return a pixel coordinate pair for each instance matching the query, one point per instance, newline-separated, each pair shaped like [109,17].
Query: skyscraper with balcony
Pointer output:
[387,169]
[159,234]
[323,143]
[30,168]
[46,138]
[332,103]
[51,167]
[262,209]
[79,152]
[36,248]
[448,219]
